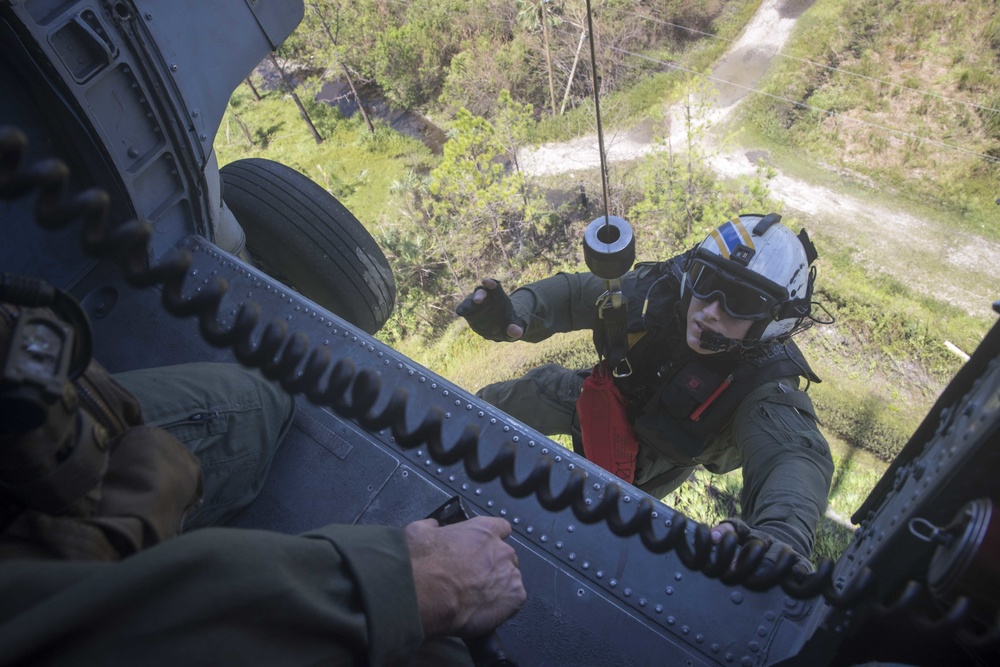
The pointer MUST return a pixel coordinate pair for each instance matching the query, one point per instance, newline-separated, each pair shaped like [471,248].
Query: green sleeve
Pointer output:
[787,468]
[340,595]
[563,302]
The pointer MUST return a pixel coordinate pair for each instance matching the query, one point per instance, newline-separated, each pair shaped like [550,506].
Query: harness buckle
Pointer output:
[610,299]
[622,374]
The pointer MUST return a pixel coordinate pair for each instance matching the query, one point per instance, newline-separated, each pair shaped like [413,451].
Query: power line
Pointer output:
[803,105]
[828,112]
[831,68]
[796,103]
[780,54]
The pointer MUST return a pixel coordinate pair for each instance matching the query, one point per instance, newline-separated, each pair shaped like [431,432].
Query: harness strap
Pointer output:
[615,344]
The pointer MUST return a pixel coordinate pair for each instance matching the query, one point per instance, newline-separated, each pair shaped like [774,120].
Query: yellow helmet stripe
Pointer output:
[730,235]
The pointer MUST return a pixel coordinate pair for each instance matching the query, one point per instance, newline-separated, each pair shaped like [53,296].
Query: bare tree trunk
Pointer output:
[347,72]
[498,239]
[243,128]
[572,72]
[357,98]
[290,89]
[253,89]
[548,56]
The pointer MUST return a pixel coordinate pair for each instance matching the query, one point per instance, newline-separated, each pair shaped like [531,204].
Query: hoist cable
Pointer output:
[597,113]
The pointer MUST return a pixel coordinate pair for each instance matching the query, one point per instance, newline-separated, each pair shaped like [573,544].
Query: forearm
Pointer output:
[789,503]
[220,596]
[787,471]
[563,302]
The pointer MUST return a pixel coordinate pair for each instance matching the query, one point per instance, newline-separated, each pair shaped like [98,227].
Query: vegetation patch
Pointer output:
[855,72]
[356,166]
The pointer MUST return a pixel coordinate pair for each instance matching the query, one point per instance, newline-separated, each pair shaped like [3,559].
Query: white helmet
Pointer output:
[759,270]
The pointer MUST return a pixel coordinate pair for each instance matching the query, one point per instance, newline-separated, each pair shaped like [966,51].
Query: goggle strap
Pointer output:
[796,308]
[811,254]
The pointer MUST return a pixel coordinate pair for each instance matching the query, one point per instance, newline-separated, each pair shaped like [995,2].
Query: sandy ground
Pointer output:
[883,238]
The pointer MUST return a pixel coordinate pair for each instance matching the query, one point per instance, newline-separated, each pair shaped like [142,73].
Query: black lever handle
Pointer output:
[488,650]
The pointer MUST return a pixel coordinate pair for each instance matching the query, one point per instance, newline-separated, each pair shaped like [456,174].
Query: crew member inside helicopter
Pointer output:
[111,491]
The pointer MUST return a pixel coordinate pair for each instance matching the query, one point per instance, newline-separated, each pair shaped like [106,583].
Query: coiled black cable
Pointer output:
[286,357]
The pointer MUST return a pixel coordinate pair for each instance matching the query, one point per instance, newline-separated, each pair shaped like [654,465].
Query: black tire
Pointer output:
[305,236]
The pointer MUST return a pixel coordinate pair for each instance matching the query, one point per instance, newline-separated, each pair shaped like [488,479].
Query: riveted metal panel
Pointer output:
[588,587]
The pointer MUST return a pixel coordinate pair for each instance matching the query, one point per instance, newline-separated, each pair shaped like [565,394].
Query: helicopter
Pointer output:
[118,91]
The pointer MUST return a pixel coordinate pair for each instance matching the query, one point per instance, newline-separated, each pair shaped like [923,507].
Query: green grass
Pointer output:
[885,360]
[472,362]
[927,143]
[976,213]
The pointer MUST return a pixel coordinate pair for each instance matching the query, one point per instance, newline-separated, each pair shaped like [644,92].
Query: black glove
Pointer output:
[490,318]
[775,548]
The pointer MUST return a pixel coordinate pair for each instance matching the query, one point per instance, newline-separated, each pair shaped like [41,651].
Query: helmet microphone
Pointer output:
[716,342]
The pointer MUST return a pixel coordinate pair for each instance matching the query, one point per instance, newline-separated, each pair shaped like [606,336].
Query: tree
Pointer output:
[324,20]
[289,88]
[487,66]
[420,259]
[534,15]
[512,124]
[413,57]
[572,72]
[243,127]
[681,189]
[253,89]
[679,184]
[475,199]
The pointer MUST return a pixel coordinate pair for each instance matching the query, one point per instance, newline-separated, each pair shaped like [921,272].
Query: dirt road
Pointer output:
[884,238]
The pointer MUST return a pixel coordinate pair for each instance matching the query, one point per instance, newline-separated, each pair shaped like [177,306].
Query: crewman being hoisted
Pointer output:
[711,376]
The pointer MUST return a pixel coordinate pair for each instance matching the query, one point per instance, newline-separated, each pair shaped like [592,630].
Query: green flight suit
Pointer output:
[341,595]
[772,435]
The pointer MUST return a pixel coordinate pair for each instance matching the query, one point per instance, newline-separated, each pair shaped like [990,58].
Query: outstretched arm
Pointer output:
[787,472]
[490,312]
[560,303]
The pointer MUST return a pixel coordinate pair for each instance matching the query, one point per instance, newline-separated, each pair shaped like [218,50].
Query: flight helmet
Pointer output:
[759,270]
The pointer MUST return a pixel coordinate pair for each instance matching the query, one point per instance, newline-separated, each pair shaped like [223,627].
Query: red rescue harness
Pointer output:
[608,438]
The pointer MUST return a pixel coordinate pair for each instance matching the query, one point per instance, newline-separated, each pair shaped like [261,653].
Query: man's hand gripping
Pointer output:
[467,578]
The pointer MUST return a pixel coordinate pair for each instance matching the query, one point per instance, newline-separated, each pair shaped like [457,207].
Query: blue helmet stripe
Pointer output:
[730,236]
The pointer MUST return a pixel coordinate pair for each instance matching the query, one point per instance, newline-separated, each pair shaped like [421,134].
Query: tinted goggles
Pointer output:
[740,298]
